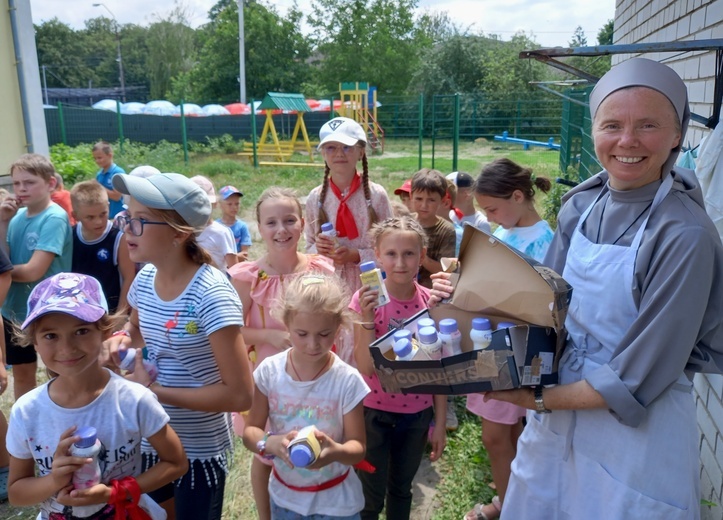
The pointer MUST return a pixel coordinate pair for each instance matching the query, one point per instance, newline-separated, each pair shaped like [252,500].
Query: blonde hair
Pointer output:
[195,252]
[276,192]
[315,293]
[404,224]
[86,193]
[36,164]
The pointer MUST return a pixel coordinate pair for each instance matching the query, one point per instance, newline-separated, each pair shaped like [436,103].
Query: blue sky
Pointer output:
[551,21]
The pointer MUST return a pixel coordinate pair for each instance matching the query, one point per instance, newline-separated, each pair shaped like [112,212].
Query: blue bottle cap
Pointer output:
[481,324]
[425,322]
[428,335]
[402,334]
[403,347]
[327,226]
[367,266]
[88,436]
[505,325]
[448,326]
[301,455]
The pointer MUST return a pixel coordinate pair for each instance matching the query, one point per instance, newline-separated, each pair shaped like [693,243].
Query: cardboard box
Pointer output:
[499,283]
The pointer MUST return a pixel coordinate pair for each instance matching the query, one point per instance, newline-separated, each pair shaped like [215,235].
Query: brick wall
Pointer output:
[642,21]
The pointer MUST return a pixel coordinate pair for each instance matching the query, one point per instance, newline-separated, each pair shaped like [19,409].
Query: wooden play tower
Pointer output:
[359,102]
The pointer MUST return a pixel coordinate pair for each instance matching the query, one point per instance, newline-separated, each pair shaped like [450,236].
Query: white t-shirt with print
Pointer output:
[322,403]
[122,414]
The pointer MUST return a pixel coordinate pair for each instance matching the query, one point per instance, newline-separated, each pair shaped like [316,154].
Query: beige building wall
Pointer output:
[643,21]
[23,120]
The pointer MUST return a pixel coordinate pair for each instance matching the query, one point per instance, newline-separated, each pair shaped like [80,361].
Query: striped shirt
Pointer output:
[176,334]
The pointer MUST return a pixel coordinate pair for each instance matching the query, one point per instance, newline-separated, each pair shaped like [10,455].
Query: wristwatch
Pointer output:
[539,403]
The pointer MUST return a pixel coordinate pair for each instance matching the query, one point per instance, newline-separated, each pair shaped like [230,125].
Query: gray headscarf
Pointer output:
[641,72]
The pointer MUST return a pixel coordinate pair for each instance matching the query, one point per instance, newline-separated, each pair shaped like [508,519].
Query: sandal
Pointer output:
[477,512]
[4,483]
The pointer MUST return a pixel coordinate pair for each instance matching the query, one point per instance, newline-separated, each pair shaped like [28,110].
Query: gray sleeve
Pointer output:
[680,304]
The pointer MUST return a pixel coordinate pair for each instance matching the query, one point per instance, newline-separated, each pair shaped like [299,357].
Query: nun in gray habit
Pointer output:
[617,438]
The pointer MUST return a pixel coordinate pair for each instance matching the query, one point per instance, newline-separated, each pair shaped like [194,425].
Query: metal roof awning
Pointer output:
[548,56]
[284,101]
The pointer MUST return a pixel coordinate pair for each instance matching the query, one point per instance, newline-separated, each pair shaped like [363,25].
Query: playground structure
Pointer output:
[359,102]
[526,143]
[269,143]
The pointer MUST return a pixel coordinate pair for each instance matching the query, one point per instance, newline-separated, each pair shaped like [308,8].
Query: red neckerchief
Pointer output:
[345,223]
[458,213]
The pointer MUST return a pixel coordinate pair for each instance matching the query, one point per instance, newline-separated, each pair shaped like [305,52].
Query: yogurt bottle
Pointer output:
[371,275]
[405,350]
[89,474]
[327,229]
[429,343]
[451,337]
[425,322]
[481,333]
[304,449]
[505,325]
[128,363]
[402,334]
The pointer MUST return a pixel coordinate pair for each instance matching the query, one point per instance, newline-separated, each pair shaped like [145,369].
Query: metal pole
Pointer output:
[119,58]
[253,135]
[45,86]
[120,125]
[455,141]
[183,133]
[421,129]
[61,120]
[241,52]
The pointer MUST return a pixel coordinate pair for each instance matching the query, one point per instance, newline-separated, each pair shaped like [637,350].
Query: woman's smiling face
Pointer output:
[634,131]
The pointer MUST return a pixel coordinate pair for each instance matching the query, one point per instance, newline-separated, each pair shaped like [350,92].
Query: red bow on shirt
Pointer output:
[345,223]
[124,509]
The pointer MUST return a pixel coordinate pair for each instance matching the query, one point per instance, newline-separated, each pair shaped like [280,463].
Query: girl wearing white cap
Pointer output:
[350,201]
[189,317]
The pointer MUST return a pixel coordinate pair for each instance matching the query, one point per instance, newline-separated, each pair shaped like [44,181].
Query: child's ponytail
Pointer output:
[502,177]
[323,217]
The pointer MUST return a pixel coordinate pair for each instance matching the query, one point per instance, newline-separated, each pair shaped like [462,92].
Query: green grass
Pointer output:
[464,474]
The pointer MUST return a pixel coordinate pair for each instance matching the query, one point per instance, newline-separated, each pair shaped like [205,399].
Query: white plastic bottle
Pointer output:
[304,449]
[402,334]
[128,363]
[88,475]
[450,336]
[405,350]
[327,229]
[481,333]
[371,275]
[429,343]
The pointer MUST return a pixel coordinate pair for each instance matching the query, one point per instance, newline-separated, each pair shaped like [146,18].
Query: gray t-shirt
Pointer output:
[678,286]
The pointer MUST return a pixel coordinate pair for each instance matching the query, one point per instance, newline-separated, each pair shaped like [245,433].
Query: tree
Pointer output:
[578,38]
[171,51]
[276,54]
[62,52]
[365,40]
[605,34]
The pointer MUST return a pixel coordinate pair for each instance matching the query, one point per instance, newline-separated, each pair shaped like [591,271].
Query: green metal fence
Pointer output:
[577,151]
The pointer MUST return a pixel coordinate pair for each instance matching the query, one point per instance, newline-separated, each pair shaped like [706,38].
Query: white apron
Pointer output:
[585,464]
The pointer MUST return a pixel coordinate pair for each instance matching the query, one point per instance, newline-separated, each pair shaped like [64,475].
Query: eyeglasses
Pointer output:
[135,225]
[332,149]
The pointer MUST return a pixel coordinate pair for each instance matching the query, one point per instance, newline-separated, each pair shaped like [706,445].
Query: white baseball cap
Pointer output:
[342,130]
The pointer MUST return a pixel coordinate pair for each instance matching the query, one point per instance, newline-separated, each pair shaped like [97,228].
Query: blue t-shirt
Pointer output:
[105,179]
[534,240]
[240,233]
[48,231]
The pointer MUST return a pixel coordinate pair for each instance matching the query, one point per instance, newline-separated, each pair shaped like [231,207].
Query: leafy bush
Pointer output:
[74,164]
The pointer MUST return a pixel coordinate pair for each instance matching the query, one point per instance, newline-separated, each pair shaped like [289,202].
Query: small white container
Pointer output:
[89,474]
[428,342]
[481,333]
[405,350]
[451,337]
[371,275]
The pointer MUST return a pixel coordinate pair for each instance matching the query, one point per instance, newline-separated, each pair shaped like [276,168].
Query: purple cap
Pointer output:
[425,322]
[301,455]
[227,191]
[448,326]
[402,334]
[79,295]
[87,435]
[367,266]
[428,335]
[402,347]
[481,324]
[327,226]
[505,325]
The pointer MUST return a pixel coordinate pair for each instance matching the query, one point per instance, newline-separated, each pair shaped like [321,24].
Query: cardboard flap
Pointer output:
[538,296]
